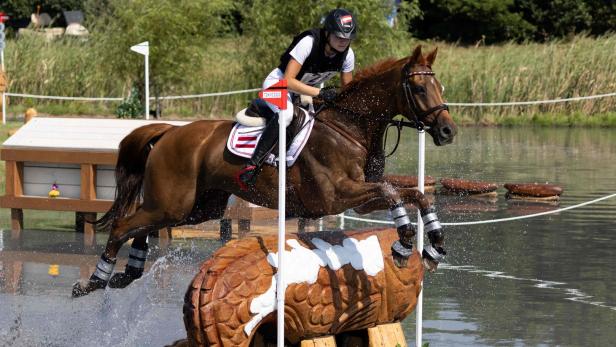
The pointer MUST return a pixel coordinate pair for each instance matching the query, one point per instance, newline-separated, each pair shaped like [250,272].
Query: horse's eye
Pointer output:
[419,90]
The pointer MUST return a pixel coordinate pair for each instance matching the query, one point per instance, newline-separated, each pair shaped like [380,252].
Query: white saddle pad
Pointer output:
[243,140]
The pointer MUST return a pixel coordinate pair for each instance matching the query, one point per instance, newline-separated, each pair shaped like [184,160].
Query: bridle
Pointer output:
[411,100]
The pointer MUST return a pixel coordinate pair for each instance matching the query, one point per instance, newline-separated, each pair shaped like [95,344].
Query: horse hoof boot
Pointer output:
[435,254]
[401,253]
[123,279]
[80,289]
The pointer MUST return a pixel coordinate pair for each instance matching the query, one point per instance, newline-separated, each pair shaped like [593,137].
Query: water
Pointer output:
[539,282]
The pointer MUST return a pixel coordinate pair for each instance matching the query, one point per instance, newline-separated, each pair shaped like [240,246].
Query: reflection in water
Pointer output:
[542,281]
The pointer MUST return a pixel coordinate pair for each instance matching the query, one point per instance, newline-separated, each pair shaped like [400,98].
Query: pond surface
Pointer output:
[543,281]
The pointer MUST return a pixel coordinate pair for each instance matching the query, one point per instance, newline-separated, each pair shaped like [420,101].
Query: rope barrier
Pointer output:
[172,97]
[194,96]
[514,103]
[33,96]
[499,220]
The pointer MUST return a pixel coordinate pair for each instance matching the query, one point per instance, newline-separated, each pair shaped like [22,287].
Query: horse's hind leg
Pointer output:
[210,205]
[138,225]
[136,264]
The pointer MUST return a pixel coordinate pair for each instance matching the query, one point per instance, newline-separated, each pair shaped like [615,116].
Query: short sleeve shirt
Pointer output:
[301,52]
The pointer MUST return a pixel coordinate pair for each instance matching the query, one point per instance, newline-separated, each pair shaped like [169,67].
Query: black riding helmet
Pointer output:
[341,23]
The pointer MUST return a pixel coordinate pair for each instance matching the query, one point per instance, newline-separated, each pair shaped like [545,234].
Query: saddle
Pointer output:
[258,113]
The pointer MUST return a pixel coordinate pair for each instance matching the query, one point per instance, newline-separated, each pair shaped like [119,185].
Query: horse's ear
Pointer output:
[431,57]
[414,59]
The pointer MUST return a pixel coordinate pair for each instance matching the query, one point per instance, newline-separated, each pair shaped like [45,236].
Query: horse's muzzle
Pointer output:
[444,134]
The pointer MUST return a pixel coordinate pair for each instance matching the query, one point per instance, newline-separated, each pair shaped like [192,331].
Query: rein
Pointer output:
[410,101]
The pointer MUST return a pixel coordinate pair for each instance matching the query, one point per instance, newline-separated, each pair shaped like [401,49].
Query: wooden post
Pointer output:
[226,230]
[88,192]
[386,335]
[14,187]
[324,341]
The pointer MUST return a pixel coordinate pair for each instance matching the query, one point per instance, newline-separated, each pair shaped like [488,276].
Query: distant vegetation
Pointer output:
[220,45]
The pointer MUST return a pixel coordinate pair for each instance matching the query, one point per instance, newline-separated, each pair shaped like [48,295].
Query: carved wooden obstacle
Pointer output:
[337,282]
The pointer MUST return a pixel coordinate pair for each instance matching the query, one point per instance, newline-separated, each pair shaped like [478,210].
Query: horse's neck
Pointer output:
[364,110]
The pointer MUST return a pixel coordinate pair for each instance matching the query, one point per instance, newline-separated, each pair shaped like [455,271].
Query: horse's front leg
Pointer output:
[434,252]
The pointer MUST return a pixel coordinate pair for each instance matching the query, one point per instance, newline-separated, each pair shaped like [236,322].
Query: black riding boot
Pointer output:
[268,140]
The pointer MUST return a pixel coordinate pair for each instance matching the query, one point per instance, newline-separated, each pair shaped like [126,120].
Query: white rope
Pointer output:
[514,103]
[193,96]
[33,96]
[376,221]
[206,95]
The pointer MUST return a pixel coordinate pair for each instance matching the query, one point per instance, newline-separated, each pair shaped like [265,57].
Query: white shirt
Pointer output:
[302,50]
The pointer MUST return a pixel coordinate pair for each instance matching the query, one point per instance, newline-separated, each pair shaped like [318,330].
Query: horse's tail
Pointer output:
[129,171]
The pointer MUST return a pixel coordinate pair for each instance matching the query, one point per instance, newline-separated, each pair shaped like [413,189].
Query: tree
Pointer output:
[470,21]
[176,30]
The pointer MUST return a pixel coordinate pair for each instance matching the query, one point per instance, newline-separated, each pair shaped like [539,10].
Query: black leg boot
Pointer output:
[134,268]
[434,251]
[403,248]
[248,175]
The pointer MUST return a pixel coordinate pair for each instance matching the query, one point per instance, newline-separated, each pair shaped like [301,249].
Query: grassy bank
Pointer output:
[510,72]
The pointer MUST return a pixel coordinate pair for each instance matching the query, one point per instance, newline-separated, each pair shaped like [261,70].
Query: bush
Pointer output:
[131,107]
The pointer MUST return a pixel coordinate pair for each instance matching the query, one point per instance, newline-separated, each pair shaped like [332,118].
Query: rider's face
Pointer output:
[338,43]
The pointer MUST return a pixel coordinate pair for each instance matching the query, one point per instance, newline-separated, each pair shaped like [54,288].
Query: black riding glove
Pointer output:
[327,94]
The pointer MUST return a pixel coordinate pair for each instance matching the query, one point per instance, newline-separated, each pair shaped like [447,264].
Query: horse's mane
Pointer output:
[375,70]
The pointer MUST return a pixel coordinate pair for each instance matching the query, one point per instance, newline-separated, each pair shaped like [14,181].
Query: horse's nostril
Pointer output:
[446,131]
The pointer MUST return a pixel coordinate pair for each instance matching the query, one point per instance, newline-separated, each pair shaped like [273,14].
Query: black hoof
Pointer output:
[123,279]
[401,253]
[80,289]
[435,254]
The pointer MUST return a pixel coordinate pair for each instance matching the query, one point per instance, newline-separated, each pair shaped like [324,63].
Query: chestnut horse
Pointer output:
[186,174]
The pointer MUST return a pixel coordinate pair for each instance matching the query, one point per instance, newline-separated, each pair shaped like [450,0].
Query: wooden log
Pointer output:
[386,335]
[458,186]
[401,181]
[533,190]
[323,341]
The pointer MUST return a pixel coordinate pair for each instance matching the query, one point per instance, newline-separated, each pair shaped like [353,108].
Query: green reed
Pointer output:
[578,66]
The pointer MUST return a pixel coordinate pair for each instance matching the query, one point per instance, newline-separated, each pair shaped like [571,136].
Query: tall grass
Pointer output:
[510,72]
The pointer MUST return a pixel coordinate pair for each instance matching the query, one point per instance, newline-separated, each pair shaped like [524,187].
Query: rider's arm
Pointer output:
[346,78]
[296,85]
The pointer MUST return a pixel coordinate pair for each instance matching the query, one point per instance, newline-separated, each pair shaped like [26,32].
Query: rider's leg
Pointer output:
[269,138]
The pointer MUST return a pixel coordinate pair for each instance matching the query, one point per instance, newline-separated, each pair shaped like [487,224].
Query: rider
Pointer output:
[313,57]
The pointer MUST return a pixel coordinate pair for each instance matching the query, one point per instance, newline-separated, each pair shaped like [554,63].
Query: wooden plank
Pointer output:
[55,156]
[14,178]
[70,191]
[76,133]
[105,176]
[51,174]
[17,221]
[88,182]
[324,341]
[57,204]
[386,335]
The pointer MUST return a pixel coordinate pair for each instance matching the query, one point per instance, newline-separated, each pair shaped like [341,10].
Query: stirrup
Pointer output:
[246,177]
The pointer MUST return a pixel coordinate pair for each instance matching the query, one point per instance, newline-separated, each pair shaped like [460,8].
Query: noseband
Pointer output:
[411,100]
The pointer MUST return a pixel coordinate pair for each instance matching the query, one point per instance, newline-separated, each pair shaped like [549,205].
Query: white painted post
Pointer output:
[144,49]
[420,233]
[282,187]
[341,221]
